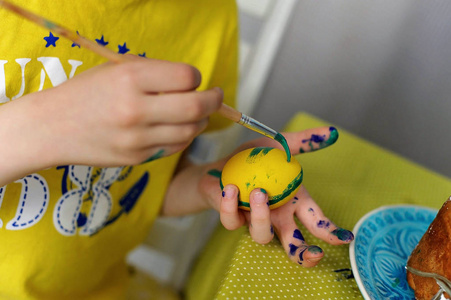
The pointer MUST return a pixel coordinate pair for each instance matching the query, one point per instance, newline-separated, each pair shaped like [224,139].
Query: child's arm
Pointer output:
[195,188]
[111,115]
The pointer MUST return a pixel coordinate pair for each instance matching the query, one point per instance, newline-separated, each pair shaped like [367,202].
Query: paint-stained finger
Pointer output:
[302,141]
[313,218]
[231,217]
[260,226]
[311,139]
[295,245]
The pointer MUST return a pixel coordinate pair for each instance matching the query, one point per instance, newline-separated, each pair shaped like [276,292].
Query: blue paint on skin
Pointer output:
[223,194]
[298,235]
[321,140]
[301,255]
[323,224]
[315,138]
[343,234]
[272,229]
[293,249]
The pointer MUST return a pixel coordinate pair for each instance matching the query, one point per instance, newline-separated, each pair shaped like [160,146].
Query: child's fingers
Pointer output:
[302,141]
[260,226]
[313,218]
[311,139]
[166,134]
[294,244]
[150,143]
[155,76]
[231,217]
[182,107]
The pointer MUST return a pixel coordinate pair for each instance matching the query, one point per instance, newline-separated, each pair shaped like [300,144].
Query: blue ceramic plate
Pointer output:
[384,239]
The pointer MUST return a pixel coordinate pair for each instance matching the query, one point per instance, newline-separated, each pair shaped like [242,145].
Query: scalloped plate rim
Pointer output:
[355,231]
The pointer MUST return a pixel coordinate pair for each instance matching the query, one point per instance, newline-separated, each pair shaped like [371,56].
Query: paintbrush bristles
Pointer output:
[74,37]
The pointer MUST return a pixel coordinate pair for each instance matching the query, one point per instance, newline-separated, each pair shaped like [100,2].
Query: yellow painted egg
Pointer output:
[265,168]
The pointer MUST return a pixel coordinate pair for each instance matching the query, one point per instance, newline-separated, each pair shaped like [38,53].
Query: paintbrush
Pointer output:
[225,110]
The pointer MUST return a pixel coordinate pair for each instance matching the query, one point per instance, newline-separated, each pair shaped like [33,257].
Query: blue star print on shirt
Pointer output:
[51,40]
[123,49]
[102,41]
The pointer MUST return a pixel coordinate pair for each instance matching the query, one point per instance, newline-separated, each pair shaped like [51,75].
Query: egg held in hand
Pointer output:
[265,168]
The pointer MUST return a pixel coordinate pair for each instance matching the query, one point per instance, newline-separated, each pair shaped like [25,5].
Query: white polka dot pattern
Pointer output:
[265,272]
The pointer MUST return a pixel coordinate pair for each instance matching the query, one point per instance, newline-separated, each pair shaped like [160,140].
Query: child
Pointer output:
[91,149]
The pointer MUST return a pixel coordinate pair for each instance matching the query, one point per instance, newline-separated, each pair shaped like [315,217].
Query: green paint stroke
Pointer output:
[281,139]
[333,137]
[343,234]
[257,151]
[157,155]
[315,249]
[321,141]
[215,173]
[290,188]
[277,198]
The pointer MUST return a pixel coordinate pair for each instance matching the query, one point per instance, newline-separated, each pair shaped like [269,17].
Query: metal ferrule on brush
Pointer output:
[257,126]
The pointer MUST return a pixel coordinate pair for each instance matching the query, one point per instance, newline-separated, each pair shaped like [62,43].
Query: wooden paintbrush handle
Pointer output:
[230,113]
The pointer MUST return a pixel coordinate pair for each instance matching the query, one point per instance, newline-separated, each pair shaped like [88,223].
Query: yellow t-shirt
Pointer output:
[65,231]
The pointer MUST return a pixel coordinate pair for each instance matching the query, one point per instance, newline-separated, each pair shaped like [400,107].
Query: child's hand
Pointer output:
[122,114]
[263,222]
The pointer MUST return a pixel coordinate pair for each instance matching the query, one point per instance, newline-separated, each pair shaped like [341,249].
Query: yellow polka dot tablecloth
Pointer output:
[347,180]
